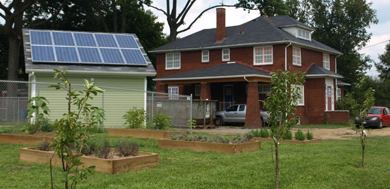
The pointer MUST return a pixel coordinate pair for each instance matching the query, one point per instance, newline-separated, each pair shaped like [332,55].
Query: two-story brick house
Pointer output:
[232,65]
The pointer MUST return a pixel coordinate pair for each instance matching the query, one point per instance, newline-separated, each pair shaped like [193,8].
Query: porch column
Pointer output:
[205,92]
[252,117]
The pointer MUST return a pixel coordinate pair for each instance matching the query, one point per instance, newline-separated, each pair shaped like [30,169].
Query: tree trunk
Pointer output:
[173,33]
[276,165]
[363,155]
[13,58]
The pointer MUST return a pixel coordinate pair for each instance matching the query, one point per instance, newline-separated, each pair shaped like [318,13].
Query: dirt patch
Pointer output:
[345,133]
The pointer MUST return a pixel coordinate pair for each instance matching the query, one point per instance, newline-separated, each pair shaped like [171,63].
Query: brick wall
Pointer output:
[313,111]
[340,116]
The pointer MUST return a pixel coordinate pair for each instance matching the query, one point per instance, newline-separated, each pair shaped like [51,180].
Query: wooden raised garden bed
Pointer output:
[144,160]
[23,139]
[208,146]
[315,140]
[144,133]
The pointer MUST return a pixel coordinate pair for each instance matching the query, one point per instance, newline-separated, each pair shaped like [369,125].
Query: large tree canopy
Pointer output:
[265,7]
[383,66]
[342,25]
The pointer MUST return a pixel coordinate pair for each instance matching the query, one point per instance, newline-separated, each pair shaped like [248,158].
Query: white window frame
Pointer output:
[297,59]
[173,92]
[205,56]
[300,101]
[263,88]
[172,61]
[304,34]
[226,54]
[326,63]
[262,56]
[197,90]
[338,93]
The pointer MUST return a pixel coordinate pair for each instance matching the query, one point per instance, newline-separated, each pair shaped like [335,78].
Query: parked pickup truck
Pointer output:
[236,114]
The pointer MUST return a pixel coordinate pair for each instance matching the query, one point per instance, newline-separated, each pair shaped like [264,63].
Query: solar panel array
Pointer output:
[88,48]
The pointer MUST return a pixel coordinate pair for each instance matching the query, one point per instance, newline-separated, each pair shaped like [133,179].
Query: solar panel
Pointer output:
[43,53]
[40,38]
[84,39]
[66,54]
[126,41]
[82,47]
[63,38]
[105,40]
[112,56]
[133,56]
[89,55]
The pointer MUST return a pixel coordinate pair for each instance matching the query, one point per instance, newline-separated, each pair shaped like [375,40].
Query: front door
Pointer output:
[228,96]
[329,94]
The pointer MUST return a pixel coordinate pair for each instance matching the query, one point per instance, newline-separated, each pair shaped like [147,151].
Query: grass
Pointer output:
[327,126]
[331,164]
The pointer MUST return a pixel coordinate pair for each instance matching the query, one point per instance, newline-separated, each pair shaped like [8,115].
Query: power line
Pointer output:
[375,44]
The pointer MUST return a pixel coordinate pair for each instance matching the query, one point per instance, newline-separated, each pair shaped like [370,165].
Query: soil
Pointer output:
[345,133]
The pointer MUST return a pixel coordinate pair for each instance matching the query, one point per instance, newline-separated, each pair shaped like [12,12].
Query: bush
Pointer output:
[103,149]
[135,117]
[246,137]
[89,147]
[264,133]
[161,121]
[46,125]
[299,135]
[309,135]
[126,148]
[288,136]
[6,130]
[43,145]
[255,133]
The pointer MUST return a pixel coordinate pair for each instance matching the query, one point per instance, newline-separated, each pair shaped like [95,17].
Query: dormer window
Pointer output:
[304,34]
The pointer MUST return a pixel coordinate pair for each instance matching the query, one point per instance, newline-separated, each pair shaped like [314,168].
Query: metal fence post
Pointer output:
[18,109]
[191,112]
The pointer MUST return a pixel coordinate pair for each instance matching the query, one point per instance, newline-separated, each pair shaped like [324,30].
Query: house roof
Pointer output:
[316,71]
[340,83]
[83,68]
[229,70]
[259,31]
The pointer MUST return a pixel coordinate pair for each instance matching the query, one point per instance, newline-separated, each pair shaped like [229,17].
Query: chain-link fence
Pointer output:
[114,101]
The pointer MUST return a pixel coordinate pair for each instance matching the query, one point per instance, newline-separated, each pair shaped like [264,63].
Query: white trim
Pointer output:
[204,56]
[225,59]
[300,56]
[171,95]
[324,55]
[145,94]
[173,61]
[210,77]
[248,45]
[95,72]
[302,95]
[263,56]
[322,76]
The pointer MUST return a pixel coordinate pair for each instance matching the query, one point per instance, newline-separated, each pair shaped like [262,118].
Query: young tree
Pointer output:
[281,104]
[365,110]
[342,25]
[383,66]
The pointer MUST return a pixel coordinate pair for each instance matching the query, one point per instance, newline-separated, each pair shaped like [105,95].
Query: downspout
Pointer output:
[335,70]
[285,57]
[246,79]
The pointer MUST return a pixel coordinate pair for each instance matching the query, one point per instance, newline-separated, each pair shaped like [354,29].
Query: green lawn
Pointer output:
[327,126]
[331,164]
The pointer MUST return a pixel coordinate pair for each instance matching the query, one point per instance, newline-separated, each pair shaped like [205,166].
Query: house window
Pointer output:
[225,54]
[326,63]
[264,88]
[197,90]
[172,61]
[303,34]
[297,56]
[301,92]
[338,93]
[205,56]
[262,55]
[173,92]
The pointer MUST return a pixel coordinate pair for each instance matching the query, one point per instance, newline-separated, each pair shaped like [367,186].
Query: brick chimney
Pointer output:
[221,27]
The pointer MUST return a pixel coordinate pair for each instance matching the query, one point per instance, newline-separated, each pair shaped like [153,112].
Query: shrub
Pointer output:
[103,149]
[43,145]
[220,139]
[89,147]
[288,136]
[309,135]
[126,148]
[135,117]
[161,121]
[299,135]
[255,133]
[5,130]
[46,125]
[246,137]
[264,133]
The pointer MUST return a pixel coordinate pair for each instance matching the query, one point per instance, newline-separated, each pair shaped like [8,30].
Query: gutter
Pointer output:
[245,45]
[323,75]
[210,77]
[285,57]
[50,71]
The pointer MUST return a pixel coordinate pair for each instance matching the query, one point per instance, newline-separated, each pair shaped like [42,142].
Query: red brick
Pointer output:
[252,117]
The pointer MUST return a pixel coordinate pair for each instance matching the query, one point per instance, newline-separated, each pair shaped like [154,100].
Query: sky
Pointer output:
[380,32]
